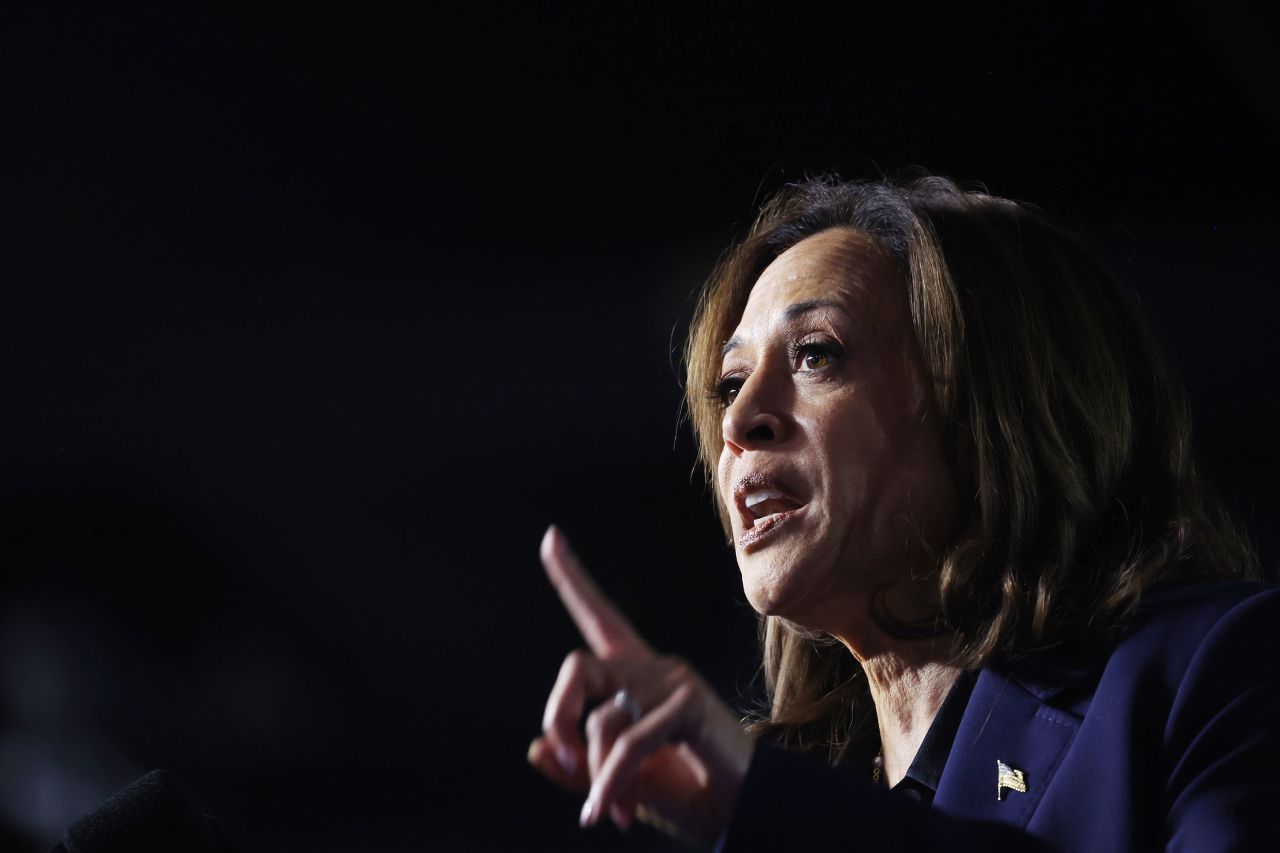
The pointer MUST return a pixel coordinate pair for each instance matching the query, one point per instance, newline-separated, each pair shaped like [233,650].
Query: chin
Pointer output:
[760,599]
[770,589]
[803,586]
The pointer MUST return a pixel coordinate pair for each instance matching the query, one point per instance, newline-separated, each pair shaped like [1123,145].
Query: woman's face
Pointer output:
[832,469]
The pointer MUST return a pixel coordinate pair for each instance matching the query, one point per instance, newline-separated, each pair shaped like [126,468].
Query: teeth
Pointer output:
[760,497]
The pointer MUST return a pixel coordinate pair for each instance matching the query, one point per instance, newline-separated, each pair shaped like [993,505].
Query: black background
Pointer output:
[314,317]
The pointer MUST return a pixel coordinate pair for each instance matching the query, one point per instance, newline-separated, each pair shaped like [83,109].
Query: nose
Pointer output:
[758,417]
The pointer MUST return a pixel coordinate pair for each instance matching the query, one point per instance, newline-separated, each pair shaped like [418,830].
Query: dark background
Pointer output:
[314,318]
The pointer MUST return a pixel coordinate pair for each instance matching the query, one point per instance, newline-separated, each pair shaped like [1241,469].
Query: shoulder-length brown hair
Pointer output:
[1046,378]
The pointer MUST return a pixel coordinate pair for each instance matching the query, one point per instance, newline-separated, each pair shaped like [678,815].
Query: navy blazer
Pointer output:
[1170,739]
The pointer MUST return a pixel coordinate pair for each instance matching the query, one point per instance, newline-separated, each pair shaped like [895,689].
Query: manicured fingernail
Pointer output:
[548,540]
[588,814]
[532,755]
[567,760]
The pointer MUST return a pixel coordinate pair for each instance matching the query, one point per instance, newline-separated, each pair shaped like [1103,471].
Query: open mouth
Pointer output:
[764,505]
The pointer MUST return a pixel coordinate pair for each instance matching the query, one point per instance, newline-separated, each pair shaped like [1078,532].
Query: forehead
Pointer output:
[839,265]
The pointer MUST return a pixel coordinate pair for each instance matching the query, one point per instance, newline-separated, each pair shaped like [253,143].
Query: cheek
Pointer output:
[907,489]
[852,440]
[866,449]
[724,471]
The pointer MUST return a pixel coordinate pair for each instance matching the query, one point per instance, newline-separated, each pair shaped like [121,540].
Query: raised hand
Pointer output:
[662,746]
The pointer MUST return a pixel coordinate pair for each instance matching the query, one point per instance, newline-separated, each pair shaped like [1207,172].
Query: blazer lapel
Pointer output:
[1003,724]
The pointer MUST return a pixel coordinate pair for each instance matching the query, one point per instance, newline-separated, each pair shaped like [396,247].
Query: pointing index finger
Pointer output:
[605,629]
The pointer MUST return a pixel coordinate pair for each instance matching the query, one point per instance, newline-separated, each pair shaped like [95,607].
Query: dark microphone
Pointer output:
[151,815]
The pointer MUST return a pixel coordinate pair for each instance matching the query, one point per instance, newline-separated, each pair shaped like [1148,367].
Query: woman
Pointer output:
[998,604]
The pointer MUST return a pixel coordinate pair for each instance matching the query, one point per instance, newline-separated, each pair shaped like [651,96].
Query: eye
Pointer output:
[725,391]
[816,356]
[816,360]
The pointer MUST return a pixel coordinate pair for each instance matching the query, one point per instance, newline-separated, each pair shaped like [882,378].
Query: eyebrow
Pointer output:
[792,312]
[802,308]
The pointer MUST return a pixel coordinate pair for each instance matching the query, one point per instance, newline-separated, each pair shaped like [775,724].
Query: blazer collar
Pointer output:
[1005,722]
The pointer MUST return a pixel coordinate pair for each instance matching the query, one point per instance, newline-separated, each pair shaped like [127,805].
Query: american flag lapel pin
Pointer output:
[1009,779]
